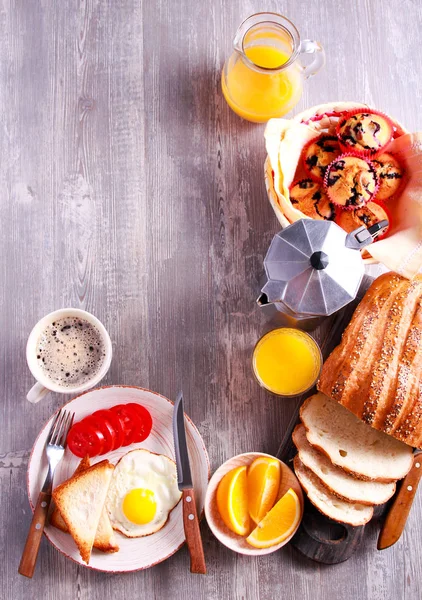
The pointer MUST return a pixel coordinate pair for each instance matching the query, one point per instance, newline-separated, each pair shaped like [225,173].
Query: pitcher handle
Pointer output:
[312,47]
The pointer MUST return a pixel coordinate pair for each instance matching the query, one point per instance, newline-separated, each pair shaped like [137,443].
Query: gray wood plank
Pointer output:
[130,189]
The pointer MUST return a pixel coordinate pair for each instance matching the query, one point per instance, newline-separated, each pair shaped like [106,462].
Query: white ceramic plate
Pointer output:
[135,553]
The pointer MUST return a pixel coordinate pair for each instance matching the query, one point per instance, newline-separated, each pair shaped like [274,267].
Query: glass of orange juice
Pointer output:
[263,78]
[287,361]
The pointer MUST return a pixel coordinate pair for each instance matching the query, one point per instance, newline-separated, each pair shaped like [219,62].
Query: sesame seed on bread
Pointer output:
[376,370]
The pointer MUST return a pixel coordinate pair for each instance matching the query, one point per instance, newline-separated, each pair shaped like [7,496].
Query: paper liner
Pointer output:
[327,188]
[364,153]
[314,177]
[324,117]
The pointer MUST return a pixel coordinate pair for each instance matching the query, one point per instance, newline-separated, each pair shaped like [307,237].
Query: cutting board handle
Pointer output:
[321,547]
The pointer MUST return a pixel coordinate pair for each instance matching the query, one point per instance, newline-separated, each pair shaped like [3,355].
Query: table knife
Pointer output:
[398,512]
[184,481]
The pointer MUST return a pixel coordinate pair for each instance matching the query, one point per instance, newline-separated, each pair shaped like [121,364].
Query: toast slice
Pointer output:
[344,512]
[337,481]
[80,501]
[105,539]
[56,519]
[352,444]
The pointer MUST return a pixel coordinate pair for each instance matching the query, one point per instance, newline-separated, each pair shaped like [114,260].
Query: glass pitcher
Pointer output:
[263,78]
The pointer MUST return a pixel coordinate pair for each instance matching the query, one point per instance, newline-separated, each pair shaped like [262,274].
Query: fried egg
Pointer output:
[142,493]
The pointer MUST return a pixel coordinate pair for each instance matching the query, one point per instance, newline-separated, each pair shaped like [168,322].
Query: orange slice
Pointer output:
[263,484]
[278,524]
[232,501]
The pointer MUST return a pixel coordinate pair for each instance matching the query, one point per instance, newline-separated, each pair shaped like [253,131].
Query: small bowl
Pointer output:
[220,530]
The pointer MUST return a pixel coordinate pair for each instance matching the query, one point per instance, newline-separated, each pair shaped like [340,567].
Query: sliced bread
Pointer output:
[345,512]
[352,444]
[80,501]
[56,519]
[105,538]
[340,483]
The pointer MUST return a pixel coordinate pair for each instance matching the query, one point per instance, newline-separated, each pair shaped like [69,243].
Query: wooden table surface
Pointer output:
[128,188]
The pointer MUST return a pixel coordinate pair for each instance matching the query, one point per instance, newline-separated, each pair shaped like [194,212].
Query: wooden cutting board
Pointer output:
[318,537]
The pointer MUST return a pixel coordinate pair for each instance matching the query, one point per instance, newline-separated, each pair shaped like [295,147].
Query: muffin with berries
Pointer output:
[350,182]
[364,133]
[310,198]
[390,175]
[318,154]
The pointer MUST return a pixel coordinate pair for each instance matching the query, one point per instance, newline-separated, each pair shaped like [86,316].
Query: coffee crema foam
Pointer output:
[70,351]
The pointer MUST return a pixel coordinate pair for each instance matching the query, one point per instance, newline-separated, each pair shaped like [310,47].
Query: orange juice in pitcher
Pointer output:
[263,78]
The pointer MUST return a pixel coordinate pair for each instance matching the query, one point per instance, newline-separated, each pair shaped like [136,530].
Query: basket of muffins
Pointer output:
[333,162]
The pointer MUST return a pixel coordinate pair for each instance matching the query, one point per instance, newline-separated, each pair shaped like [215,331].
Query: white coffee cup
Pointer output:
[44,385]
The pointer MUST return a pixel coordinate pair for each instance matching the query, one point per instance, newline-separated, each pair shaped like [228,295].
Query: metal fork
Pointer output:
[54,448]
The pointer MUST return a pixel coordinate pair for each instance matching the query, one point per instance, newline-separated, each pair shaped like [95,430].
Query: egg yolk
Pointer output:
[139,506]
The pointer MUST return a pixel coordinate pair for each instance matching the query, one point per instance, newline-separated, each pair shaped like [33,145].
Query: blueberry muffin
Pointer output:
[309,197]
[350,181]
[364,133]
[318,154]
[389,173]
[369,215]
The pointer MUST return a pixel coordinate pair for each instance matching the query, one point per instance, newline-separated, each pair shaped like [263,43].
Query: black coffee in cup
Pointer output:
[70,351]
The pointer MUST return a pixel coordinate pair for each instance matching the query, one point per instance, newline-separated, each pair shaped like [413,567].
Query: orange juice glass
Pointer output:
[263,78]
[287,361]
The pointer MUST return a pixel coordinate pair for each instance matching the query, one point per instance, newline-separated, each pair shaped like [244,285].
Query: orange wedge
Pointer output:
[278,524]
[232,501]
[263,484]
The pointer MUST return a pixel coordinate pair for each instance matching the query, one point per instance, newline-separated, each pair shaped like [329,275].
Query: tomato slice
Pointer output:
[146,421]
[109,429]
[84,439]
[113,421]
[130,421]
[105,428]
